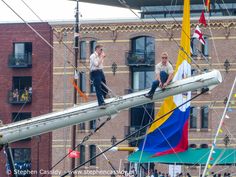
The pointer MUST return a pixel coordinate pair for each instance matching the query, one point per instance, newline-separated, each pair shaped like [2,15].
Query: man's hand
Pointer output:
[164,85]
[103,55]
[160,84]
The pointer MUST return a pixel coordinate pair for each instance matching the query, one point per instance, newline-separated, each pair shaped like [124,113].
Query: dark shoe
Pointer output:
[102,106]
[149,95]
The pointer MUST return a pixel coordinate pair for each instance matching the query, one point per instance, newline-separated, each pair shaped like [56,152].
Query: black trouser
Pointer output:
[98,78]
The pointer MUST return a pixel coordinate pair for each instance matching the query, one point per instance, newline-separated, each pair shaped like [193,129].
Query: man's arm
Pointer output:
[159,79]
[170,77]
[97,62]
[158,70]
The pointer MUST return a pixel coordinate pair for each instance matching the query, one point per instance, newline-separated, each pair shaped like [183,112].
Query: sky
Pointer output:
[58,10]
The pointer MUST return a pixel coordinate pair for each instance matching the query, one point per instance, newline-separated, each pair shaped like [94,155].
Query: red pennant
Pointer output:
[202,19]
[74,154]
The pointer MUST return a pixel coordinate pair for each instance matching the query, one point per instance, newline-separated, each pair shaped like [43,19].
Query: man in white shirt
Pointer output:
[164,74]
[97,75]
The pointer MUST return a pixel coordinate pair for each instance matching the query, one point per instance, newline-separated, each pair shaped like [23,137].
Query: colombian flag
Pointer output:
[170,134]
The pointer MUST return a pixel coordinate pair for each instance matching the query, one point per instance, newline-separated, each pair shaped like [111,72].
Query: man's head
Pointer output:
[164,58]
[99,49]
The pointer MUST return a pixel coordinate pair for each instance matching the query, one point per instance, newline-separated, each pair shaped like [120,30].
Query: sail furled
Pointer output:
[170,133]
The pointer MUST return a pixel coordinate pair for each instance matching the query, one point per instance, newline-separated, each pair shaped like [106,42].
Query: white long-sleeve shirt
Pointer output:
[94,62]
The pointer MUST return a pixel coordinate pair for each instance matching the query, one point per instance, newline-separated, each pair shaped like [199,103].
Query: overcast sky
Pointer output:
[50,10]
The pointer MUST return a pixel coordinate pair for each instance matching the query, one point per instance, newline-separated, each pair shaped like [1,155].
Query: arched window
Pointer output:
[142,51]
[92,153]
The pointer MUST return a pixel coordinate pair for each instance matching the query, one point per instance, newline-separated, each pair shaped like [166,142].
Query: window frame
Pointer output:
[92,153]
[83,53]
[204,120]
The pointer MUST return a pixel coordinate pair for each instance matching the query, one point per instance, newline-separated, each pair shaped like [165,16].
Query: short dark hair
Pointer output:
[98,46]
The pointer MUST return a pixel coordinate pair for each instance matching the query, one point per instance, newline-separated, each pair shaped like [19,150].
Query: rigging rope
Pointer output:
[86,138]
[203,91]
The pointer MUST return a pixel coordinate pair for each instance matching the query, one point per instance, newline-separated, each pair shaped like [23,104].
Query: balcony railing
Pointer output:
[19,97]
[20,61]
[140,58]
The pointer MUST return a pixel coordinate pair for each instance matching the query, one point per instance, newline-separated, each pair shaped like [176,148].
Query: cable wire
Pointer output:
[203,91]
[86,138]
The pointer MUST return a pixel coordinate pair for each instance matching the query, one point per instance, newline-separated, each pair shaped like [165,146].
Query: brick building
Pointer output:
[26,90]
[133,47]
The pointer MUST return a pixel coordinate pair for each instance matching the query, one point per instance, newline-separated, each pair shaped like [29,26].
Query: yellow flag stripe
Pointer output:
[168,103]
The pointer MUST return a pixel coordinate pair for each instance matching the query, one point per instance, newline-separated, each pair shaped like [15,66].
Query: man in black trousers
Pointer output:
[97,74]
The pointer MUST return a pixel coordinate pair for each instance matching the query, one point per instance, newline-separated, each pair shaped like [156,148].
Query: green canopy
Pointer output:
[190,157]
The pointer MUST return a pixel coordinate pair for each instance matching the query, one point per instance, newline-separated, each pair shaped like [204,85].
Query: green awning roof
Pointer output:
[190,157]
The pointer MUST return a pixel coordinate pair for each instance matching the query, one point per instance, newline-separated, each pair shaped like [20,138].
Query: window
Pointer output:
[82,86]
[82,154]
[194,43]
[142,51]
[22,50]
[193,117]
[204,116]
[92,46]
[142,79]
[197,48]
[92,153]
[21,154]
[21,90]
[20,116]
[92,125]
[82,126]
[83,50]
[141,116]
[22,82]
[205,48]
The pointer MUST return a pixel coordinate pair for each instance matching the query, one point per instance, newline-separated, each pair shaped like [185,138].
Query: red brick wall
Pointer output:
[41,73]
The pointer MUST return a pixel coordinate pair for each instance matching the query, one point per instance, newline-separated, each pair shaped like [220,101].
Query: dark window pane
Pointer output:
[140,116]
[92,153]
[23,51]
[82,154]
[21,90]
[92,46]
[82,126]
[83,50]
[142,79]
[194,44]
[83,81]
[205,48]
[193,117]
[21,154]
[204,116]
[143,51]
[20,116]
[21,82]
[92,124]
